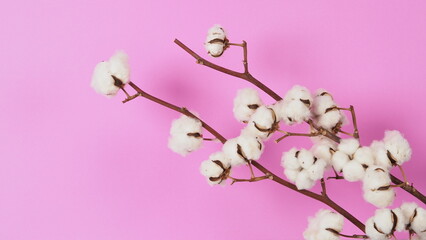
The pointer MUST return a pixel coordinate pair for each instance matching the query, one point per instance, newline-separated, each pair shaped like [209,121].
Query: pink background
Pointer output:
[75,165]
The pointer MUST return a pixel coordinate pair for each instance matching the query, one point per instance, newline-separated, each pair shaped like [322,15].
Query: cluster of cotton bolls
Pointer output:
[110,76]
[325,111]
[325,225]
[216,41]
[235,152]
[386,222]
[185,135]
[372,164]
[302,167]
[295,107]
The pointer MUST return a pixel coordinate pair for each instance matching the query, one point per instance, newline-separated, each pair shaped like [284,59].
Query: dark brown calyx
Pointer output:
[224,175]
[307,102]
[117,81]
[260,145]
[332,108]
[394,222]
[297,154]
[392,159]
[241,152]
[253,106]
[196,135]
[378,229]
[383,188]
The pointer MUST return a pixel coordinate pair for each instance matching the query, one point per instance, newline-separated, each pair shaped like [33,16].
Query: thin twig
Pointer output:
[354,123]
[324,189]
[288,134]
[252,179]
[347,236]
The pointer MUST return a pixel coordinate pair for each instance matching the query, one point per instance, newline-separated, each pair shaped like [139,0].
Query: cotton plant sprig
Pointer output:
[320,112]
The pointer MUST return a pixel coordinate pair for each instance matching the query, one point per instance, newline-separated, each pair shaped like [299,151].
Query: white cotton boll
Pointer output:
[102,81]
[380,154]
[316,171]
[419,236]
[216,40]
[295,111]
[321,102]
[119,66]
[185,125]
[210,169]
[306,158]
[398,146]
[323,149]
[303,181]
[251,147]
[289,160]
[353,171]
[330,119]
[298,92]
[400,221]
[339,160]
[291,174]
[262,122]
[245,103]
[383,220]
[364,155]
[348,146]
[408,209]
[376,177]
[313,227]
[380,198]
[184,144]
[372,233]
[332,220]
[326,235]
[419,222]
[230,148]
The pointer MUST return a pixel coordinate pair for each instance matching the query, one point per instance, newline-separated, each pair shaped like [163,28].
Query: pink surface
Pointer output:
[75,165]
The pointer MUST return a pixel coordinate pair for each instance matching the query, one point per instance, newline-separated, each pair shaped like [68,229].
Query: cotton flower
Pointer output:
[380,155]
[348,146]
[324,226]
[327,114]
[339,160]
[302,167]
[109,76]
[243,149]
[295,107]
[398,148]
[262,123]
[376,186]
[216,41]
[384,223]
[216,169]
[245,103]
[185,135]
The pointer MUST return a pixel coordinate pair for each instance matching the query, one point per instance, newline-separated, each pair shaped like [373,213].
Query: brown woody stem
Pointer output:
[248,77]
[182,110]
[353,115]
[347,236]
[288,134]
[252,179]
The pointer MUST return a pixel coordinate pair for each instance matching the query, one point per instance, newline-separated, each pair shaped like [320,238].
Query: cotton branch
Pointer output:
[248,77]
[268,174]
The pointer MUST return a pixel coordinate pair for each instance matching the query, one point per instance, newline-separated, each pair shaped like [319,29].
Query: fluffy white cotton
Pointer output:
[408,209]
[117,66]
[242,149]
[295,107]
[316,171]
[215,43]
[323,149]
[303,181]
[419,222]
[348,146]
[384,223]
[372,232]
[291,174]
[245,103]
[353,171]
[262,123]
[290,161]
[380,155]
[364,155]
[376,187]
[325,110]
[214,171]
[317,226]
[398,146]
[185,135]
[415,218]
[306,158]
[339,160]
